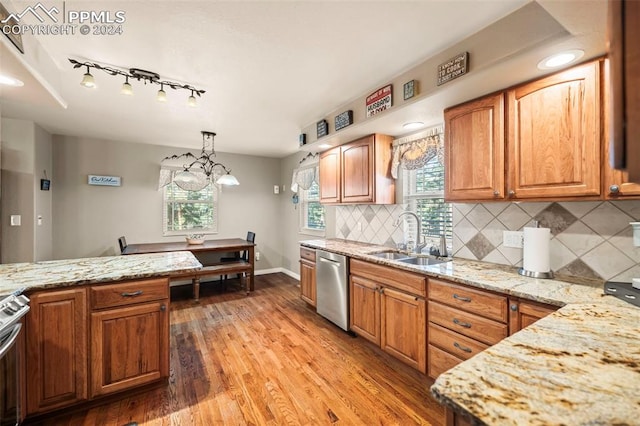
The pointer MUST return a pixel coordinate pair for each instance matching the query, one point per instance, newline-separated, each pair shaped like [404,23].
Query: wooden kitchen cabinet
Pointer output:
[358,172]
[387,306]
[129,335]
[537,141]
[329,166]
[523,313]
[554,135]
[308,275]
[474,150]
[56,342]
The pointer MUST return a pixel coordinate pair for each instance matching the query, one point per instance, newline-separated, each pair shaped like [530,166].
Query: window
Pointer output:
[424,194]
[187,211]
[311,211]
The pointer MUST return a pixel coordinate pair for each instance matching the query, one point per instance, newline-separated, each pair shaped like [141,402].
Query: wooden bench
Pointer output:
[239,267]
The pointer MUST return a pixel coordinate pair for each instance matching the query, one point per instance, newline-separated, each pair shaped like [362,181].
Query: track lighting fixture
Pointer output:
[145,76]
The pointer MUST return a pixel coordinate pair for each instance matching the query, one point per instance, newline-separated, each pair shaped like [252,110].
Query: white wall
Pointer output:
[89,219]
[43,233]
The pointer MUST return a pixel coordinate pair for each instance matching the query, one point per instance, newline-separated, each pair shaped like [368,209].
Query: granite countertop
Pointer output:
[61,273]
[579,365]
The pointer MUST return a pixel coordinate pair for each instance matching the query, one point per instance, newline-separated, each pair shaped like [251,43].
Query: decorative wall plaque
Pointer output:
[302,139]
[453,68]
[322,128]
[410,89]
[379,101]
[103,180]
[343,119]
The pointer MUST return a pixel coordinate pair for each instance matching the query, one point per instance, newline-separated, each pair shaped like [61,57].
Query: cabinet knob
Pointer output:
[514,307]
[512,193]
[614,189]
[496,193]
[163,308]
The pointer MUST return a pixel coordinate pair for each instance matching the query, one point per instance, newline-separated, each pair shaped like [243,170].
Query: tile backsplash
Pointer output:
[589,239]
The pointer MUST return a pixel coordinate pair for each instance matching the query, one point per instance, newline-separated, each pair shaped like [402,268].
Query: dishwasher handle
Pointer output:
[333,262]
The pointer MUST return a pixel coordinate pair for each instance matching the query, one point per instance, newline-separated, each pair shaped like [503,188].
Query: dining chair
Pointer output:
[244,255]
[122,241]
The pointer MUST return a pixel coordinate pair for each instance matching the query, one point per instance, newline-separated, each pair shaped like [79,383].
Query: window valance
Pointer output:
[303,177]
[414,151]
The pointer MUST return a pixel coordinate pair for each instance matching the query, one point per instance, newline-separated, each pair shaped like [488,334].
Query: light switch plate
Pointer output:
[512,239]
[276,189]
[16,220]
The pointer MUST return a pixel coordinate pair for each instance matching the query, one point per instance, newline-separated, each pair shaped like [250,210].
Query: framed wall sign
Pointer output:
[45,184]
[379,101]
[453,68]
[410,89]
[322,128]
[302,139]
[343,119]
[103,180]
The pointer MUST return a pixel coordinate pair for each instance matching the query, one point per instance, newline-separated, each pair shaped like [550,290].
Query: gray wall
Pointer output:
[26,148]
[89,219]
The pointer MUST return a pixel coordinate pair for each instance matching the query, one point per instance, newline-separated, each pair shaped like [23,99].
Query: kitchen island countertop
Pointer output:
[62,273]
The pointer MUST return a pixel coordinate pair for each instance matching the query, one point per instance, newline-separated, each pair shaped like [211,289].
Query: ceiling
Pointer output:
[269,68]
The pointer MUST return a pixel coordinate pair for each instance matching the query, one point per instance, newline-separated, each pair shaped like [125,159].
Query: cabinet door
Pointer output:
[554,135]
[364,305]
[403,327]
[56,341]
[523,313]
[474,150]
[129,346]
[308,282]
[357,171]
[330,176]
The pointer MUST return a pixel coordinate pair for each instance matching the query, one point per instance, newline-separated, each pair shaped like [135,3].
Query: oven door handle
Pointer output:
[10,340]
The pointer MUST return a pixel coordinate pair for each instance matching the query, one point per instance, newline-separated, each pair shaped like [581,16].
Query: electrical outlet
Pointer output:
[276,189]
[513,239]
[257,255]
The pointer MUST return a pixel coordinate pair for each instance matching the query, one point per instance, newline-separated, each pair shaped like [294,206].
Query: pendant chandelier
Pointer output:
[204,163]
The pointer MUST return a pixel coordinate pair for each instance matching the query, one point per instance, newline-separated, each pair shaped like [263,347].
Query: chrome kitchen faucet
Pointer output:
[419,244]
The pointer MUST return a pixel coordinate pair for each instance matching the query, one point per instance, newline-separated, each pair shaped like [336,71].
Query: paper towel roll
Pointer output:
[536,249]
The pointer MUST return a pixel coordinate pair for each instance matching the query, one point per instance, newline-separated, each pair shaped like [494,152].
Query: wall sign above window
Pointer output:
[343,119]
[453,68]
[322,128]
[379,101]
[103,180]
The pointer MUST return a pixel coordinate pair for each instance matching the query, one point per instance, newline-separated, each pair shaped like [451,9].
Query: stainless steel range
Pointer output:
[12,308]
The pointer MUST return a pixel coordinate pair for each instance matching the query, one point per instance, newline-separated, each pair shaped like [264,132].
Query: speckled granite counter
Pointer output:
[61,273]
[577,366]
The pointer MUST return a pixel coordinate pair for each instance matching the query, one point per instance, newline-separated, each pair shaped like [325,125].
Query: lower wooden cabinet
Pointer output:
[56,342]
[308,275]
[523,313]
[387,307]
[85,342]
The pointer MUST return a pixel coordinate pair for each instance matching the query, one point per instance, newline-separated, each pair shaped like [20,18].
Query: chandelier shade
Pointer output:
[192,173]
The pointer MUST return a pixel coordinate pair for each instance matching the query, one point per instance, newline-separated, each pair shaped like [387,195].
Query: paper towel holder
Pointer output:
[544,275]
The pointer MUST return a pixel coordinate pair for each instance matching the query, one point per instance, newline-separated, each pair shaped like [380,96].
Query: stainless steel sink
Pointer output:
[422,261]
[390,255]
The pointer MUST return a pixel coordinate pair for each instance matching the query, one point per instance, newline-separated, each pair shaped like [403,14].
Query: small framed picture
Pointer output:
[45,184]
[410,89]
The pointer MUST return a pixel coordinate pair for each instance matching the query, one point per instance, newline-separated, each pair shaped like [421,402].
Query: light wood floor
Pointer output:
[268,359]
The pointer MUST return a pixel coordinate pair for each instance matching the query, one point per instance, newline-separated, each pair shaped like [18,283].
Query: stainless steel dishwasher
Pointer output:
[332,288]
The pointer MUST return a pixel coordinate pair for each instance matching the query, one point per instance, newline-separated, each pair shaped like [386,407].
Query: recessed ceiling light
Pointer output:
[412,125]
[10,81]
[324,146]
[560,59]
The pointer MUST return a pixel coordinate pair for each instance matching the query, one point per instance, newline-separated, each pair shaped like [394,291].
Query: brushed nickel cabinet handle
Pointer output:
[461,298]
[456,321]
[496,193]
[462,348]
[512,193]
[614,189]
[132,294]
[163,308]
[514,307]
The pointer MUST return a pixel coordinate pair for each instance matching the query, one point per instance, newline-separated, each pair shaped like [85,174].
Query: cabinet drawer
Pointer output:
[467,324]
[440,361]
[406,281]
[475,301]
[455,343]
[106,296]
[308,254]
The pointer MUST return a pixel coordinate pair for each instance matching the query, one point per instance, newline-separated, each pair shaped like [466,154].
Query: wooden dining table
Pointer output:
[228,245]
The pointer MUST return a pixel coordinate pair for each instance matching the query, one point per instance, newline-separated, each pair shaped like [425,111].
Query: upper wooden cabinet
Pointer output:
[540,140]
[554,135]
[358,172]
[474,149]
